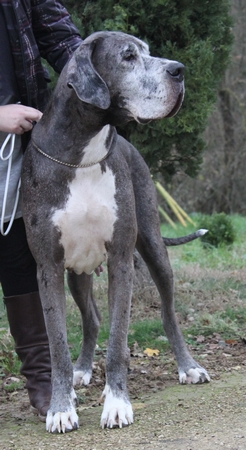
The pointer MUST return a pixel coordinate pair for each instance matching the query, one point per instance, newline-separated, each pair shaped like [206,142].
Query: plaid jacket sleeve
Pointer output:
[56,35]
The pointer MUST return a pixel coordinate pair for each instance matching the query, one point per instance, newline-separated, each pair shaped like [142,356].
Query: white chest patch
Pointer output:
[96,149]
[87,221]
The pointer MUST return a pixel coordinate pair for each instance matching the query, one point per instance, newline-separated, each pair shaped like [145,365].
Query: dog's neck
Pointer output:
[99,146]
[80,142]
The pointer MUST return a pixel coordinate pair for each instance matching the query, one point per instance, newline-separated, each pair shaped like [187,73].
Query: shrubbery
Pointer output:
[220,230]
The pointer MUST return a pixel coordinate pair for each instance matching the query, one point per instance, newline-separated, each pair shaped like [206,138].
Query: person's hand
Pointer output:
[16,119]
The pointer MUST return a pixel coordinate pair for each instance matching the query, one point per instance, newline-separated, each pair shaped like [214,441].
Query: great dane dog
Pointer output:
[88,198]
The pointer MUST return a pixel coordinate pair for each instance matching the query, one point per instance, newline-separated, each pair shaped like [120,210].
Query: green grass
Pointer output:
[14,386]
[147,333]
[222,258]
[9,362]
[218,323]
[203,278]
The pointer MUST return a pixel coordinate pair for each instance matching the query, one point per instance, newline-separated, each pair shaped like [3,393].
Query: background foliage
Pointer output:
[220,230]
[196,33]
[221,183]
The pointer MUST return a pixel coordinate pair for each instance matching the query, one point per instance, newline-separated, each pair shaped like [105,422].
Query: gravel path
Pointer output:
[203,417]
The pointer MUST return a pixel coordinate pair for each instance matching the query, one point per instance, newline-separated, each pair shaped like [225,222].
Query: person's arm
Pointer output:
[56,35]
[16,119]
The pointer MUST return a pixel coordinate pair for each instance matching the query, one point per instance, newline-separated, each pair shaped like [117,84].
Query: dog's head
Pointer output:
[114,71]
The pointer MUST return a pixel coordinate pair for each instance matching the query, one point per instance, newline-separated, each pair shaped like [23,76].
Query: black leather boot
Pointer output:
[28,329]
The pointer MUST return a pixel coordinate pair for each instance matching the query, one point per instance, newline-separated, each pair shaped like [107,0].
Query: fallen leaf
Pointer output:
[213,346]
[151,352]
[10,380]
[231,342]
[200,339]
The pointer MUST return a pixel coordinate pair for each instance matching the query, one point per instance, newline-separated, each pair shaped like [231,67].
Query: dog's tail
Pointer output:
[184,239]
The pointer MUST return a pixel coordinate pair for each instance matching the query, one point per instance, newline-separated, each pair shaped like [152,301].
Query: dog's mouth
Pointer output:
[172,113]
[177,106]
[143,121]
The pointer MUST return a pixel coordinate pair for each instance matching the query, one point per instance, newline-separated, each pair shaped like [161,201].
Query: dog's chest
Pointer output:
[87,220]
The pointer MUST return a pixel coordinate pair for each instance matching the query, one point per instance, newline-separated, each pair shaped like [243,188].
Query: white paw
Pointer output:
[194,375]
[65,421]
[62,421]
[81,378]
[117,411]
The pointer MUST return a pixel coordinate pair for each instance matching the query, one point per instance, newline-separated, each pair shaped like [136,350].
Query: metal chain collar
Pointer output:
[79,166]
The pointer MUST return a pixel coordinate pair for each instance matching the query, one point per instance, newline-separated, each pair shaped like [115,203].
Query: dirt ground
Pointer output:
[166,415]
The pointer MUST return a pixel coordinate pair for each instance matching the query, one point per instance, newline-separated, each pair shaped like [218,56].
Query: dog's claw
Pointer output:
[62,422]
[194,375]
[204,378]
[129,420]
[117,411]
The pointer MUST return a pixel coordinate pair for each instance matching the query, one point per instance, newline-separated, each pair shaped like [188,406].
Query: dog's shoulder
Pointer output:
[126,148]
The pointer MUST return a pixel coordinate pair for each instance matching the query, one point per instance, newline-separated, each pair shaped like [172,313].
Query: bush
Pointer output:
[220,230]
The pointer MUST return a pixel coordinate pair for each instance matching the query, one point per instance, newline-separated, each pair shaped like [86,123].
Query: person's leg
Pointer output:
[25,315]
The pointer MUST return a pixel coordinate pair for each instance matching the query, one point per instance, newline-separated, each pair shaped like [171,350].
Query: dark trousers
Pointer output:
[17,265]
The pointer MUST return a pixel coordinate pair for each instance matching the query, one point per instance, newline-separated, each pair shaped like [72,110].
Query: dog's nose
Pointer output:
[176,70]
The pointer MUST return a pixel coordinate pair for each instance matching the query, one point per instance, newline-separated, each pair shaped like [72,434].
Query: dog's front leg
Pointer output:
[61,416]
[117,411]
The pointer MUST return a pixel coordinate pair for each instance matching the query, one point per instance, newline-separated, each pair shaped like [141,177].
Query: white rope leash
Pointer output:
[8,157]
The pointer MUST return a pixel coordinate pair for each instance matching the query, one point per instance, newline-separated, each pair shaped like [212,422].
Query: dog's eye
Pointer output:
[129,53]
[129,57]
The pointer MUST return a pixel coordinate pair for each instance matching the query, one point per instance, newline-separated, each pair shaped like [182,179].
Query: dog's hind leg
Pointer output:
[155,255]
[152,249]
[81,290]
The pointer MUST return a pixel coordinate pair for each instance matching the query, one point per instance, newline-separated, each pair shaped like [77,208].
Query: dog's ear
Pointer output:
[84,79]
